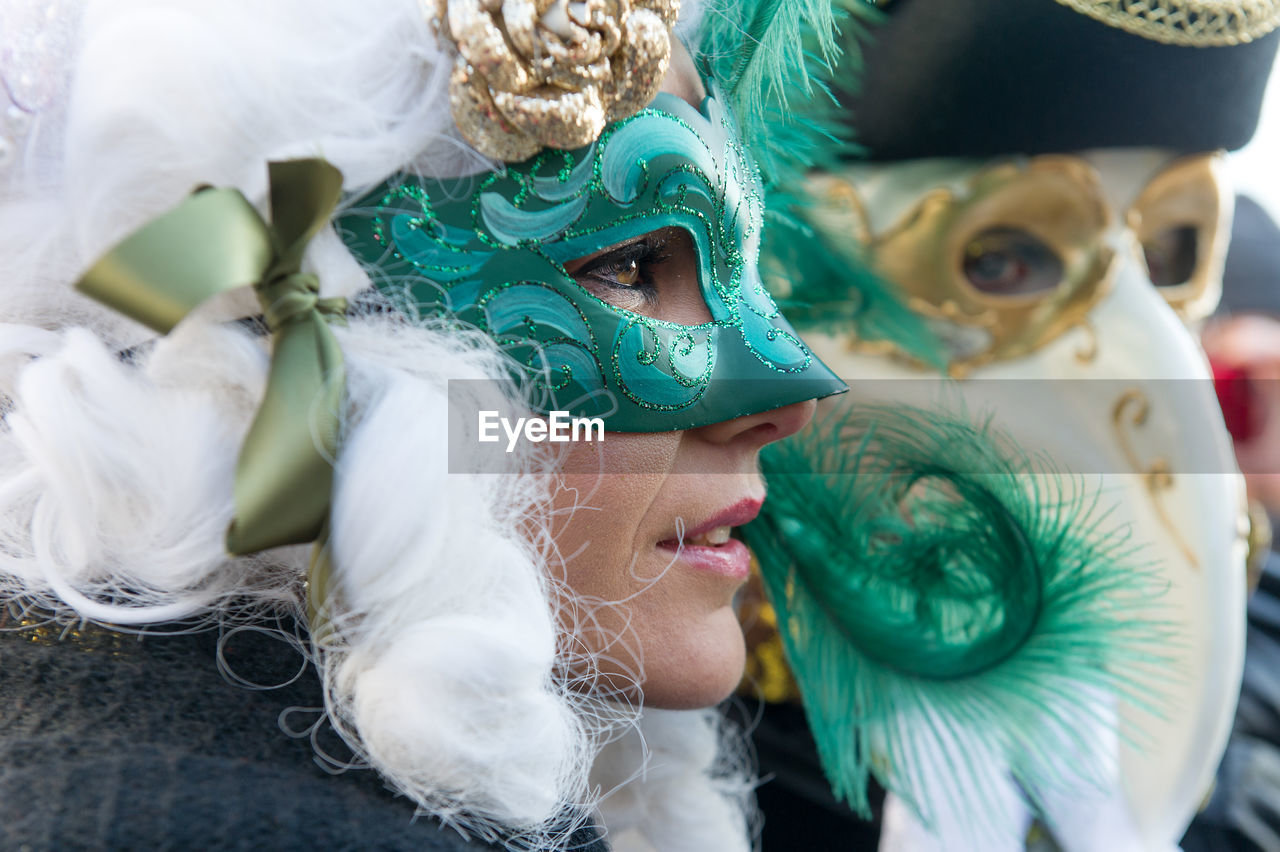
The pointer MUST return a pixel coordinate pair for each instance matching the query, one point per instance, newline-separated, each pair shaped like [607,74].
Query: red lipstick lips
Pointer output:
[728,558]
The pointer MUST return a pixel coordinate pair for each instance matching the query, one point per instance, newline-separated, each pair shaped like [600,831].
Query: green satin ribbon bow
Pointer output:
[213,242]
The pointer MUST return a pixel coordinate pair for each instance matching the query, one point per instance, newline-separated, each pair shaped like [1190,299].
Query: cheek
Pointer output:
[606,510]
[599,530]
[632,614]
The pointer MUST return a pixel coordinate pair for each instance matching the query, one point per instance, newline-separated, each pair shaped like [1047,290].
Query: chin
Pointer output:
[693,668]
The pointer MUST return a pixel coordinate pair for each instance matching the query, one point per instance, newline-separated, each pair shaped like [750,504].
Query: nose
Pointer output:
[753,431]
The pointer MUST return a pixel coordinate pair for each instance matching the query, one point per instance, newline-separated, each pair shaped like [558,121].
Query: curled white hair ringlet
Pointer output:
[446,641]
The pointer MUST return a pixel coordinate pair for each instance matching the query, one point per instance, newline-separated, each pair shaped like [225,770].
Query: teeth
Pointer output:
[717,536]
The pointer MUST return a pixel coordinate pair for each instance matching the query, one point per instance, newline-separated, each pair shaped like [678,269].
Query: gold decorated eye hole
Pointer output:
[1008,261]
[1172,255]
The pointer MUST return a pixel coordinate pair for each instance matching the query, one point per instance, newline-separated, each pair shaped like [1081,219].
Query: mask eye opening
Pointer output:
[658,275]
[1172,255]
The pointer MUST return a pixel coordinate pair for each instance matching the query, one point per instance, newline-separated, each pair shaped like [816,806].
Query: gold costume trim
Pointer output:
[767,675]
[1256,526]
[1188,23]
[42,628]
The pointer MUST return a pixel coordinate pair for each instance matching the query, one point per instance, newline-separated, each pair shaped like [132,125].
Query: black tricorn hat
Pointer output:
[981,78]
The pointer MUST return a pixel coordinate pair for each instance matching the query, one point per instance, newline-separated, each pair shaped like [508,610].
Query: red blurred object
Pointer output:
[1241,405]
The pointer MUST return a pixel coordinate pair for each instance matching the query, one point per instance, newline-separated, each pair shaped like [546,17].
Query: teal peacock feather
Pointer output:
[775,60]
[952,610]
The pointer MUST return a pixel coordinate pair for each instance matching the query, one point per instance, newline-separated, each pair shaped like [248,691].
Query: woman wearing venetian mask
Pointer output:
[483,642]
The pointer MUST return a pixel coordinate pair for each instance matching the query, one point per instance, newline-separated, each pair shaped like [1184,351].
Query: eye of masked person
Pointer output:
[1006,261]
[656,275]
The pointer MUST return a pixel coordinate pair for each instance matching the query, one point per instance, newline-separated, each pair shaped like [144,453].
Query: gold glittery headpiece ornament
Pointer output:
[535,74]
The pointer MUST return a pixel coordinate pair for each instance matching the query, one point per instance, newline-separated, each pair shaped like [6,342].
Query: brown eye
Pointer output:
[624,276]
[628,273]
[1010,262]
[657,275]
[1171,256]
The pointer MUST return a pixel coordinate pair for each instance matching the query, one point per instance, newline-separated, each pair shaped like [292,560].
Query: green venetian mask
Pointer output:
[491,250]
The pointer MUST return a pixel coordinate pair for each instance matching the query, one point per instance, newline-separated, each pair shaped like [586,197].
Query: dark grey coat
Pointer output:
[111,743]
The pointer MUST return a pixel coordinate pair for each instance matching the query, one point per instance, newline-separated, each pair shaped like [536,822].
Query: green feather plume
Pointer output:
[955,615]
[774,61]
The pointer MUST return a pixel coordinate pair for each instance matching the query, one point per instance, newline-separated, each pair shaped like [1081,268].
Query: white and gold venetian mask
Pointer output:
[1062,288]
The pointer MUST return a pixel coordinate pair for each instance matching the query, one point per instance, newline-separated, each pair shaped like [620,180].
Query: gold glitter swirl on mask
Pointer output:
[1189,23]
[534,74]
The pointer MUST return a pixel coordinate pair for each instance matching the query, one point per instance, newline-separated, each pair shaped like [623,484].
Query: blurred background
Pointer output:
[1256,167]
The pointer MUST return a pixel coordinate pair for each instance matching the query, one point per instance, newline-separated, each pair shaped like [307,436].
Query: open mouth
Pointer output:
[711,547]
[717,536]
[729,559]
